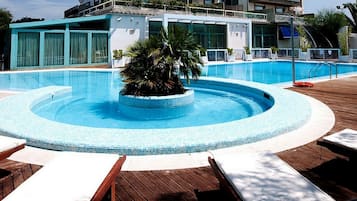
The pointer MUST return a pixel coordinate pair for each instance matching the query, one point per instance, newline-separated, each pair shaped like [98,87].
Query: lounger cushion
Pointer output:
[345,138]
[264,176]
[68,177]
[7,143]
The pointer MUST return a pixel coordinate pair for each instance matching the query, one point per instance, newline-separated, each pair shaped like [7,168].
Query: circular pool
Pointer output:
[279,111]
[212,104]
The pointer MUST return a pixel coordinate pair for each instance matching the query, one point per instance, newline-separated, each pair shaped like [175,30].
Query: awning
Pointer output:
[286,33]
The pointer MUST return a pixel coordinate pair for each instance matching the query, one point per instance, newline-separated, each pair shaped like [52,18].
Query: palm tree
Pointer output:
[329,23]
[352,7]
[5,20]
[156,64]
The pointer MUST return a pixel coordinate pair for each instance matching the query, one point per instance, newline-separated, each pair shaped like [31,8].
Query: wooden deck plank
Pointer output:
[330,171]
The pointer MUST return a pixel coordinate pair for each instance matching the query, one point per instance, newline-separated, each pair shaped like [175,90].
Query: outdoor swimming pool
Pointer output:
[276,72]
[98,92]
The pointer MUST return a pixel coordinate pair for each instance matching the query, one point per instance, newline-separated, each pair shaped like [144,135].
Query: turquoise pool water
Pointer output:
[97,91]
[211,106]
[275,72]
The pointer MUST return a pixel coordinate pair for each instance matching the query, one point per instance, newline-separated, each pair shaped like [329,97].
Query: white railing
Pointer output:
[324,53]
[287,52]
[151,9]
[238,54]
[286,18]
[216,54]
[261,53]
[353,53]
[311,54]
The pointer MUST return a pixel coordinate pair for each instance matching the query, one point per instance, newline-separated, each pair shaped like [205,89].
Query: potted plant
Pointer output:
[118,59]
[247,54]
[152,77]
[203,55]
[304,43]
[343,36]
[274,52]
[230,56]
[156,64]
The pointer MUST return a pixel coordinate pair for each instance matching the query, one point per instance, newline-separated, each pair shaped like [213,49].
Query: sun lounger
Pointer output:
[343,142]
[263,176]
[72,177]
[9,146]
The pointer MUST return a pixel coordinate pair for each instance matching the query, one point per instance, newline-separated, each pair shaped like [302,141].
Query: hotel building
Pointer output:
[91,30]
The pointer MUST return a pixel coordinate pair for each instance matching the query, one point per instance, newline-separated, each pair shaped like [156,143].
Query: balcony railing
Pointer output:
[154,9]
[286,18]
[279,2]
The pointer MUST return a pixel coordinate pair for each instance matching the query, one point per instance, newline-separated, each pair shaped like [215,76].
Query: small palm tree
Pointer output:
[156,64]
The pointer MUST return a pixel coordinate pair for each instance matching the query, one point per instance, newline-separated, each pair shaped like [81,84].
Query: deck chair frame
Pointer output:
[338,148]
[97,190]
[109,182]
[223,181]
[9,152]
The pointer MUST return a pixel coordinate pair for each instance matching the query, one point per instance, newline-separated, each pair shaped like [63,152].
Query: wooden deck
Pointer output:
[331,172]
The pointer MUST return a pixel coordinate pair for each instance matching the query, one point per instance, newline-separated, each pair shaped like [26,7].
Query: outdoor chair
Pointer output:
[9,145]
[343,142]
[72,177]
[262,176]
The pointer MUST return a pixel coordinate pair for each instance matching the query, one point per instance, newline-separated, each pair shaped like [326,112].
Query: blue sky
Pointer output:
[53,9]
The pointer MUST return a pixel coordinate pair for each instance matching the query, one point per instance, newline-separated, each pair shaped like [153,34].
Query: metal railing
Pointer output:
[154,9]
[324,53]
[353,53]
[286,18]
[216,54]
[261,52]
[287,52]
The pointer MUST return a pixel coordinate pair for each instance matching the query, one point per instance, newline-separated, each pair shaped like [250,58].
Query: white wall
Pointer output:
[353,41]
[126,30]
[286,43]
[237,35]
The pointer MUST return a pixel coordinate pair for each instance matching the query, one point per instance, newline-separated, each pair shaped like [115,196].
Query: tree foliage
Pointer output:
[352,7]
[156,64]
[5,19]
[329,23]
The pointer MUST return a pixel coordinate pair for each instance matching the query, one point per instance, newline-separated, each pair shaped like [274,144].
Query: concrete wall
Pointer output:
[237,35]
[126,30]
[353,41]
[286,43]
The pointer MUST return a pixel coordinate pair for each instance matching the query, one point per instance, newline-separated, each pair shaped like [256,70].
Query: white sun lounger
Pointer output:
[9,146]
[71,177]
[263,176]
[343,142]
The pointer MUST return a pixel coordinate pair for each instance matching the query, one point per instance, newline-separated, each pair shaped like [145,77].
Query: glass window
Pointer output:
[99,48]
[79,48]
[279,10]
[28,49]
[54,49]
[208,2]
[259,7]
[264,36]
[154,28]
[209,36]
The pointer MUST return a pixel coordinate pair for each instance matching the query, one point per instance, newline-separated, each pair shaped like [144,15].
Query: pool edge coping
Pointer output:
[321,122]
